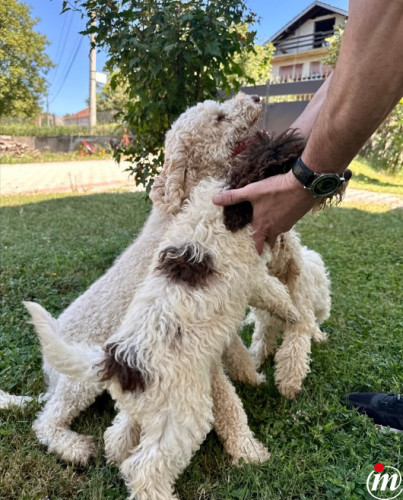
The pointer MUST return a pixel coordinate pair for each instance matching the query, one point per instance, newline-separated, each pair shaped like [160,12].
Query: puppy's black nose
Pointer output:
[255,98]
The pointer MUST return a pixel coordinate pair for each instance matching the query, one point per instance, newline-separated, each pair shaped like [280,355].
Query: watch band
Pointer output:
[303,173]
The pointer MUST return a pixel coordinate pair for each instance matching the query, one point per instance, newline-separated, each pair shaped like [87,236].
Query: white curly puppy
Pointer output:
[306,277]
[159,364]
[199,144]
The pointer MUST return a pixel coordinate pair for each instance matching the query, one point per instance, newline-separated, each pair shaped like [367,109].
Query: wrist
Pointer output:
[297,189]
[320,167]
[319,185]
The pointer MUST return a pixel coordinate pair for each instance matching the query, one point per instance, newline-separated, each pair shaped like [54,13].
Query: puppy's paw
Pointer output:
[250,451]
[289,390]
[78,451]
[292,364]
[319,336]
[260,379]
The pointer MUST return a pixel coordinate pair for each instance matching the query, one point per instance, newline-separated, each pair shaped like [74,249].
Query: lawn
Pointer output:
[54,247]
[366,177]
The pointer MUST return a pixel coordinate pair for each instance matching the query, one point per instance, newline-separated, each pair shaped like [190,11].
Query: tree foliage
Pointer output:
[112,99]
[334,47]
[171,54]
[23,61]
[255,64]
[385,147]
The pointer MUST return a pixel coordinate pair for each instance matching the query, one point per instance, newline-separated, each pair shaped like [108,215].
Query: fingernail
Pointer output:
[217,198]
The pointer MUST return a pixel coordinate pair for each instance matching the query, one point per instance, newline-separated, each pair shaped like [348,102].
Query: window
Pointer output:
[292,72]
[315,69]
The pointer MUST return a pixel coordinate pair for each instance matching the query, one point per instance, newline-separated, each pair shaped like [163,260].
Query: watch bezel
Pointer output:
[319,178]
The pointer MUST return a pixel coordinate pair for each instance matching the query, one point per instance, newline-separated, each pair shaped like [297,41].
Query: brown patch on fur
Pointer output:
[238,216]
[186,264]
[266,155]
[130,379]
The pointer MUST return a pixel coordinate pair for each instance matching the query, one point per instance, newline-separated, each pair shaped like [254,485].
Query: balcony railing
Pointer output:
[303,43]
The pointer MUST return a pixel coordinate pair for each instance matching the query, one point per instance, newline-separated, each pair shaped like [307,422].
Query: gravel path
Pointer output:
[59,177]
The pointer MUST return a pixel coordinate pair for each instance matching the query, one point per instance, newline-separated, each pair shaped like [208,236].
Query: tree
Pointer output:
[255,63]
[171,54]
[334,47]
[112,99]
[23,61]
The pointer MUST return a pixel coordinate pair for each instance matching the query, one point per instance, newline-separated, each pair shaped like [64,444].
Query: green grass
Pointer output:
[55,247]
[366,177]
[47,157]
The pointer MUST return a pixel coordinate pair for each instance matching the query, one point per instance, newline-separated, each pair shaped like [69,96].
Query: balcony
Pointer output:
[303,43]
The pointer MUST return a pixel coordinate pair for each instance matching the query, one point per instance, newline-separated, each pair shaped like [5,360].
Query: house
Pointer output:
[80,118]
[301,44]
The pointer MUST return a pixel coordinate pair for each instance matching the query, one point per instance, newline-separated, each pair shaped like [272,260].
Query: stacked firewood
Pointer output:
[10,147]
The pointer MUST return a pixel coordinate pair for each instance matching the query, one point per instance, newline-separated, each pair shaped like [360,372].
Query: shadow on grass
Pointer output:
[365,179]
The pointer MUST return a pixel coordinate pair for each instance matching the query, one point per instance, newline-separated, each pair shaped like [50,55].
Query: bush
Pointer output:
[385,148]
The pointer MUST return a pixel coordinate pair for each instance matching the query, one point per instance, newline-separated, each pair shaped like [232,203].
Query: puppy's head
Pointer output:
[266,155]
[200,144]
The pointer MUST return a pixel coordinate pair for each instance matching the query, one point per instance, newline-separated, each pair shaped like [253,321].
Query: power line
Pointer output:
[59,45]
[68,69]
[62,43]
[68,62]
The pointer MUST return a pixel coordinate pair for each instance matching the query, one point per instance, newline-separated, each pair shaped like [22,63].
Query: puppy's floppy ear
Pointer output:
[170,188]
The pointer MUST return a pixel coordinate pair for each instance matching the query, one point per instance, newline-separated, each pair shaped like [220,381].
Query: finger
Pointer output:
[259,240]
[271,240]
[225,198]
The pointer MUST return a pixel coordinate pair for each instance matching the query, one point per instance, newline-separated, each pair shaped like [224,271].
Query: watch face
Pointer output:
[326,184]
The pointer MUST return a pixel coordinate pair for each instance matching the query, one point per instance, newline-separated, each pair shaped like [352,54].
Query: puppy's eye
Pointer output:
[221,116]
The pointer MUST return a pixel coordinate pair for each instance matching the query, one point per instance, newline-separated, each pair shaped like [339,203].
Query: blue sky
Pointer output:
[69,50]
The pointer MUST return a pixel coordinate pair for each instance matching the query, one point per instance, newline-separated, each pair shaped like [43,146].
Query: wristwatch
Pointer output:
[320,185]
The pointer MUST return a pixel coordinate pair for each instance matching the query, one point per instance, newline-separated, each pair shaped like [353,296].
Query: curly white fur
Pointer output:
[175,334]
[306,277]
[198,145]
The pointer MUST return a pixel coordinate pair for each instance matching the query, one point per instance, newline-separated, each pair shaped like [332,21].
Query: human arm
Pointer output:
[366,84]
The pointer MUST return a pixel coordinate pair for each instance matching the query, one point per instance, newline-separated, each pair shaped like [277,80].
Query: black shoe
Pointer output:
[384,409]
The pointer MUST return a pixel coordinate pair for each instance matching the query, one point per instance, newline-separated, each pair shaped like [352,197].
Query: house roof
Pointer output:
[315,9]
[84,113]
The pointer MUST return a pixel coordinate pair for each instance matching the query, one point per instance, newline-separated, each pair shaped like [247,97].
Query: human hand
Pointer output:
[278,203]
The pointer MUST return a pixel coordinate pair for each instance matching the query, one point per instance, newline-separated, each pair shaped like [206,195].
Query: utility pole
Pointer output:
[93,83]
[47,109]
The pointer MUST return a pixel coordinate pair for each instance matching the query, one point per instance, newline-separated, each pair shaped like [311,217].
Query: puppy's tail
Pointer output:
[78,361]
[8,401]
